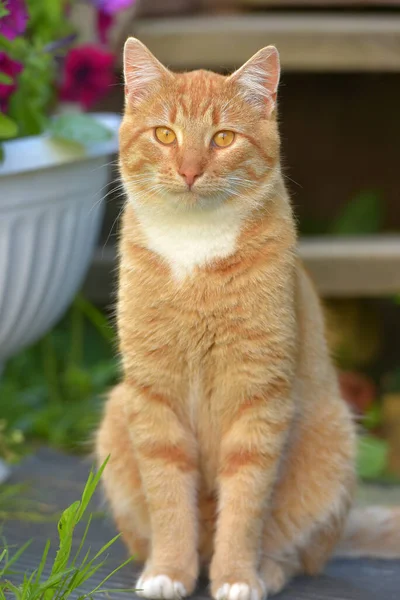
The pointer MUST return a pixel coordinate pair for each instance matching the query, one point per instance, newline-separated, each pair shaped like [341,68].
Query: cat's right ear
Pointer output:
[142,71]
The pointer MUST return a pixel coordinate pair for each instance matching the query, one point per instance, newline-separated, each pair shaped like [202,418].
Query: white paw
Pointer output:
[160,587]
[238,591]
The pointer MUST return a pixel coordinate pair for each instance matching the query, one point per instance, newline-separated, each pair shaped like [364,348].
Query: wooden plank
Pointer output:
[321,4]
[367,266]
[307,41]
[340,267]
[50,480]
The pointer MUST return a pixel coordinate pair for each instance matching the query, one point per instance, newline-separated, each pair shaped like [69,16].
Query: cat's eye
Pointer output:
[165,135]
[222,139]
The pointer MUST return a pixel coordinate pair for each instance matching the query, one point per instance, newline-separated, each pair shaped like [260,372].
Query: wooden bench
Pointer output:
[307,41]
[340,267]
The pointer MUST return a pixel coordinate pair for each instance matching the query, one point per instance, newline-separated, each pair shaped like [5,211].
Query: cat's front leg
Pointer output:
[250,453]
[166,456]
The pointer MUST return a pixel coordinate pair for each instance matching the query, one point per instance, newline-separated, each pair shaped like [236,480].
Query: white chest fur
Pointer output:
[191,238]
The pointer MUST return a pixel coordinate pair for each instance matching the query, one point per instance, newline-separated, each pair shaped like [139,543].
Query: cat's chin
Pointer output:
[178,201]
[194,199]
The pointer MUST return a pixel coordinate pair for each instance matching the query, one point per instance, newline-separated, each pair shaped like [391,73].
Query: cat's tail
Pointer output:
[371,532]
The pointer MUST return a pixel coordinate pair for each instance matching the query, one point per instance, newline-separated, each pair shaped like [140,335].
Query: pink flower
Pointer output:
[358,390]
[111,7]
[105,15]
[14,23]
[104,22]
[11,68]
[88,75]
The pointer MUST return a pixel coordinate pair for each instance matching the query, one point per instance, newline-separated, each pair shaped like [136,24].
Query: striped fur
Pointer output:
[230,445]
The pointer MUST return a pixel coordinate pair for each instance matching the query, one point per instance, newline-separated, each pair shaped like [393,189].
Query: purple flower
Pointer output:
[11,68]
[111,7]
[14,23]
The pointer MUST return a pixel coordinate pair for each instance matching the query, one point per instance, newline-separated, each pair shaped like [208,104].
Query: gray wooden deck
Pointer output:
[55,480]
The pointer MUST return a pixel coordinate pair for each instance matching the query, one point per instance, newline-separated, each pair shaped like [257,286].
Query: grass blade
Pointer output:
[14,559]
[42,562]
[97,588]
[82,541]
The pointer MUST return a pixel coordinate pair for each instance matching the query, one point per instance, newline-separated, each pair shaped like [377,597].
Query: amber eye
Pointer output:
[165,135]
[222,139]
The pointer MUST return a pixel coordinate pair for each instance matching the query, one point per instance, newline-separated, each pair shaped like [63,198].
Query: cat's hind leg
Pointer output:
[312,497]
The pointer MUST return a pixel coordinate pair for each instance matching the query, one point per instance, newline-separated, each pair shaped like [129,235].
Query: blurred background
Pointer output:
[339,112]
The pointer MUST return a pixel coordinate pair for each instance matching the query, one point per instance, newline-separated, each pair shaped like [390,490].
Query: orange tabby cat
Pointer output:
[230,444]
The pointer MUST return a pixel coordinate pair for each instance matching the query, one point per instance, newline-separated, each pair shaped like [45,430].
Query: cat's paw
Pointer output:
[252,589]
[162,587]
[276,575]
[165,583]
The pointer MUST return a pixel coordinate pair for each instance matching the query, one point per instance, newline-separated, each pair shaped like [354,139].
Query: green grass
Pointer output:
[53,391]
[15,505]
[69,571]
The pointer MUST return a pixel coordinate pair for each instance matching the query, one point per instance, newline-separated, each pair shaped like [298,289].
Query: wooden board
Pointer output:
[51,481]
[306,41]
[340,267]
[353,266]
[318,3]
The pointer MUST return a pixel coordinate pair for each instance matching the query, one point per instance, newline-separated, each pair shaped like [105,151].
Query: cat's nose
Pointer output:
[190,174]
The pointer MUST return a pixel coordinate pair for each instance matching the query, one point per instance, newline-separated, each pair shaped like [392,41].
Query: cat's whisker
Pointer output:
[112,227]
[114,162]
[290,179]
[104,198]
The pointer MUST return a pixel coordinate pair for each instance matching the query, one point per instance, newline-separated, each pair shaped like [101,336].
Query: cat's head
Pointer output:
[198,138]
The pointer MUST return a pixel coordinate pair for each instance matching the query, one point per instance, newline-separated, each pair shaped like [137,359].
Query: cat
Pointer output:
[230,445]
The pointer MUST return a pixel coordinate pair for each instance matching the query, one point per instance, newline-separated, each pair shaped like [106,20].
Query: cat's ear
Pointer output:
[258,79]
[142,71]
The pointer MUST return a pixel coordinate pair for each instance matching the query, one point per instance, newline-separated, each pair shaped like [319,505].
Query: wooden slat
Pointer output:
[320,4]
[353,266]
[307,41]
[341,267]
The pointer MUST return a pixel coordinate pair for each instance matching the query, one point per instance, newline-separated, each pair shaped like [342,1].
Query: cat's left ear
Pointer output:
[259,77]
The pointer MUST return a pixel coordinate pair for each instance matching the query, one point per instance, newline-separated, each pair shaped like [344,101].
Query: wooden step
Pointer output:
[340,267]
[307,41]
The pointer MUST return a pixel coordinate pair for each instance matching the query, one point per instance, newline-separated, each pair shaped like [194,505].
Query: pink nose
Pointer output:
[190,174]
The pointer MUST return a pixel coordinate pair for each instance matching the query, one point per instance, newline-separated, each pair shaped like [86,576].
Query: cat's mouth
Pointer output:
[197,199]
[195,191]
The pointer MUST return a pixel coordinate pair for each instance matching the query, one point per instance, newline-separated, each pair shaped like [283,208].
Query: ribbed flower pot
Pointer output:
[50,214]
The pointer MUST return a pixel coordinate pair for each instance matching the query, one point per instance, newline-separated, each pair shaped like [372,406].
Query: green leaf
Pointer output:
[66,526]
[6,79]
[371,457]
[373,416]
[77,381]
[28,116]
[80,128]
[8,127]
[5,44]
[3,10]
[364,214]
